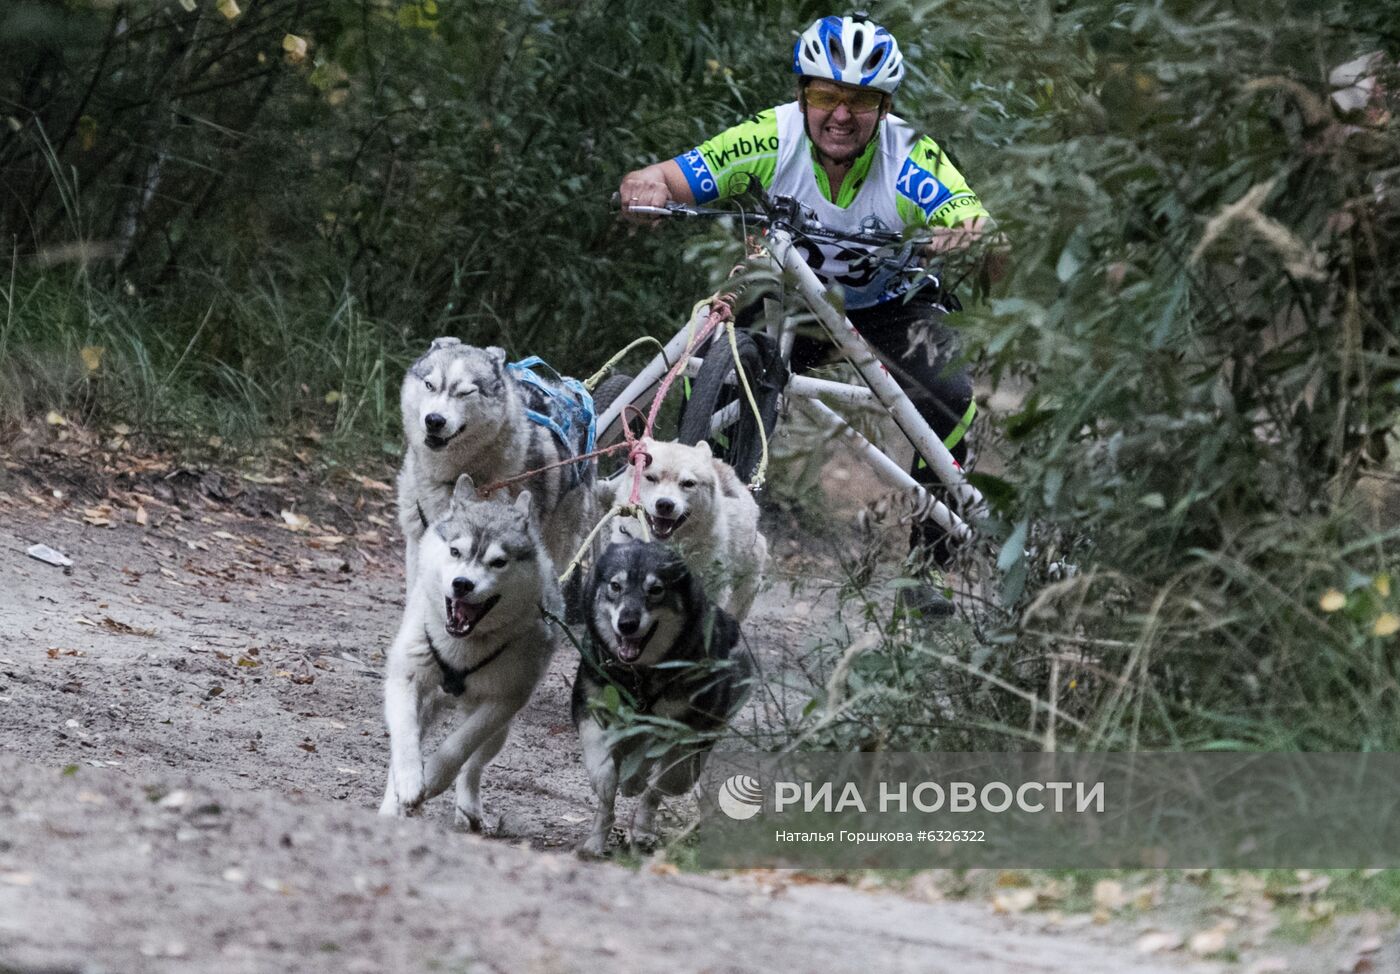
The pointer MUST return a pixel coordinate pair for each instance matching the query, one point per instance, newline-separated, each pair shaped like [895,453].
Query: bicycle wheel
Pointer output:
[604,396]
[716,386]
[608,390]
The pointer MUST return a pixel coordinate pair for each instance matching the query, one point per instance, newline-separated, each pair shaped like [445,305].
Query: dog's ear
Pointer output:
[704,447]
[464,491]
[497,357]
[605,491]
[672,569]
[522,503]
[594,580]
[446,341]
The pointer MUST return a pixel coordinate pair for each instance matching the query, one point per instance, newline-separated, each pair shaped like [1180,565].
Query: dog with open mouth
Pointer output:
[694,500]
[476,639]
[645,608]
[466,410]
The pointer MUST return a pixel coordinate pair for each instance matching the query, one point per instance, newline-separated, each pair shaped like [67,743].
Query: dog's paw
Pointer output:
[593,847]
[644,839]
[406,796]
[475,820]
[392,808]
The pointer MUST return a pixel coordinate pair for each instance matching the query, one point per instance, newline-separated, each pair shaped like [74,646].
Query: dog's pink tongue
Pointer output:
[464,614]
[628,650]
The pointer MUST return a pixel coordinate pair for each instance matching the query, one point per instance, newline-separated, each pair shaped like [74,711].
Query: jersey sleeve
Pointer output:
[930,192]
[719,167]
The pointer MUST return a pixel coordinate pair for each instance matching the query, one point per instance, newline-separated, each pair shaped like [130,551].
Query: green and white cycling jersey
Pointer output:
[902,180]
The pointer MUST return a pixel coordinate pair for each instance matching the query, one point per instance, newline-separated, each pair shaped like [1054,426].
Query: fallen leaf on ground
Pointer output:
[370,484]
[1207,942]
[1308,885]
[126,630]
[176,800]
[295,521]
[1109,895]
[1317,910]
[1014,901]
[1158,941]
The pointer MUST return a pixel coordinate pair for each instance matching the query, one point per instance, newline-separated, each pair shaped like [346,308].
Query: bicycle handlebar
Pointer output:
[780,212]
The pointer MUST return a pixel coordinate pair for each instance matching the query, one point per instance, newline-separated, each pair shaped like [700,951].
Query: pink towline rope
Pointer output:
[637,457]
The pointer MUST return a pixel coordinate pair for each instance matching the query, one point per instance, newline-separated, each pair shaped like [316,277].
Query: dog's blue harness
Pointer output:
[561,405]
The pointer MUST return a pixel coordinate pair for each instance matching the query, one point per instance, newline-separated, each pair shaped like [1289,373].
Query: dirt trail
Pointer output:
[193,752]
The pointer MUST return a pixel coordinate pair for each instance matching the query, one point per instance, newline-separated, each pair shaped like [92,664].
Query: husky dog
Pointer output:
[463,413]
[474,637]
[690,497]
[644,608]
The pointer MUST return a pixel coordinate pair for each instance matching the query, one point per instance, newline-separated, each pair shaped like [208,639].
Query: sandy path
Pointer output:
[193,750]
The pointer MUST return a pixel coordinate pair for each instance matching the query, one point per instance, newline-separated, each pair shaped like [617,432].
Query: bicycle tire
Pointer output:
[604,396]
[608,390]
[712,389]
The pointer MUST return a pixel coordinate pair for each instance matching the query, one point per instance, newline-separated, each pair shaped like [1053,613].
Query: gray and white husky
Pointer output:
[474,639]
[462,413]
[645,608]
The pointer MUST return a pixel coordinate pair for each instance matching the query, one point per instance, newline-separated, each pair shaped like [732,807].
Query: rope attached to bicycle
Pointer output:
[720,312]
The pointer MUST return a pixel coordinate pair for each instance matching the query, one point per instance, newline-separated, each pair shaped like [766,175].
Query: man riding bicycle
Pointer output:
[839,151]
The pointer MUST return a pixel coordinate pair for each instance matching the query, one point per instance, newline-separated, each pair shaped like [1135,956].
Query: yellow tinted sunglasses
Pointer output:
[858,101]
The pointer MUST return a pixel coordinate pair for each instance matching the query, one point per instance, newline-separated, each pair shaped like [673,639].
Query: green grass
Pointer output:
[245,368]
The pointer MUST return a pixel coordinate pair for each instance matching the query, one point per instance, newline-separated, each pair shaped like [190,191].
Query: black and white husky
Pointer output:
[475,639]
[464,412]
[645,607]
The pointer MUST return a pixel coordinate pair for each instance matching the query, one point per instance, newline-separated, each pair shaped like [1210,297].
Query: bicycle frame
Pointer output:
[883,393]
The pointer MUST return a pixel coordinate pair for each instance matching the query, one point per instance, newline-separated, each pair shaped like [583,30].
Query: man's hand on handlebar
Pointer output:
[965,236]
[637,190]
[652,186]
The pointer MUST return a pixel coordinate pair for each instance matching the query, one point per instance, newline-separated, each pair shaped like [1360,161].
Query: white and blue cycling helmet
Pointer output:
[851,50]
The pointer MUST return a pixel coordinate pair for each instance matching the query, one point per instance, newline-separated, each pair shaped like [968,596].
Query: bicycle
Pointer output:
[722,395]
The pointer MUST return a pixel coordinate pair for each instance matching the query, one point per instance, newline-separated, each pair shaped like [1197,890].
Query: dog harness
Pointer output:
[561,405]
[454,680]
